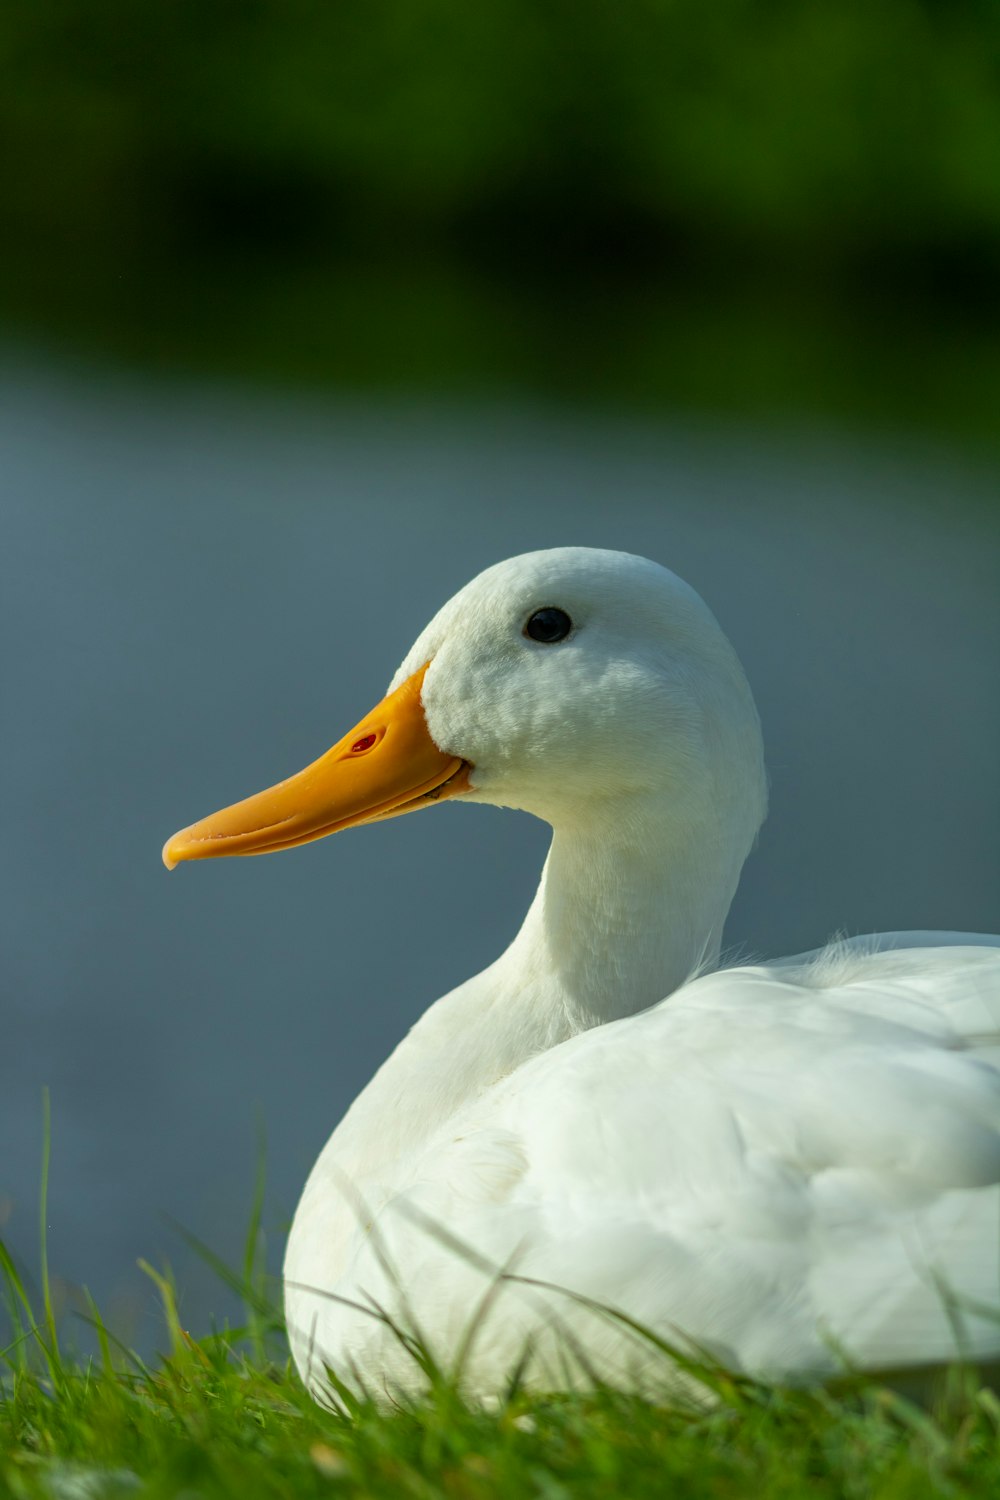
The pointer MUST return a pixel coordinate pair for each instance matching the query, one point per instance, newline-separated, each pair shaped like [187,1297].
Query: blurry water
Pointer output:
[202,590]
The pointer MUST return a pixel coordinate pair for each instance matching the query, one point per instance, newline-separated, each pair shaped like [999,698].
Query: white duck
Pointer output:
[790,1165]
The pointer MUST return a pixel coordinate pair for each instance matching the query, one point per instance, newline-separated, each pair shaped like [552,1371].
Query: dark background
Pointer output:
[309,312]
[759,205]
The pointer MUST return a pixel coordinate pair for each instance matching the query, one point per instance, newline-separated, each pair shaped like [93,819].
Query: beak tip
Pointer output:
[171,855]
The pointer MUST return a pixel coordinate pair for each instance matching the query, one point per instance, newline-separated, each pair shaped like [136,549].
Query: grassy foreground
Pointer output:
[226,1416]
[210,1423]
[218,1417]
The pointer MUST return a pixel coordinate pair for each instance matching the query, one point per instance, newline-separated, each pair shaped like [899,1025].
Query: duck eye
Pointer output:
[549,625]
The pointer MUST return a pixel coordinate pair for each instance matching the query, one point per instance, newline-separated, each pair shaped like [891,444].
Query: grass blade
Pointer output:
[43,1238]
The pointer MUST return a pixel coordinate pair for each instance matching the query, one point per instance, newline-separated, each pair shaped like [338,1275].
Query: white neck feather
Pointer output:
[627,909]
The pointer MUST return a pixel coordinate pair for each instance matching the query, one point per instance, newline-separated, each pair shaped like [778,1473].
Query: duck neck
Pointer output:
[628,908]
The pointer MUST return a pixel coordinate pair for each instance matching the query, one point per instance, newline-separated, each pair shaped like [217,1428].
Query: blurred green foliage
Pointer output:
[411,179]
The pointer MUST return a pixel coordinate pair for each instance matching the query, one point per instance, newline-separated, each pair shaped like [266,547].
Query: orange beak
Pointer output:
[387,765]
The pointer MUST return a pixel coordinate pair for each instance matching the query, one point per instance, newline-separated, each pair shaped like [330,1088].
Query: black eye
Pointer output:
[549,625]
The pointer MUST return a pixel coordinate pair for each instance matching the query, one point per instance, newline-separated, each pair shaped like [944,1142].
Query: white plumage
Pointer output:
[791,1165]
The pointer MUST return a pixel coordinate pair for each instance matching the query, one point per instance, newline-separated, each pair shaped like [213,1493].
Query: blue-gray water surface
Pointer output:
[203,589]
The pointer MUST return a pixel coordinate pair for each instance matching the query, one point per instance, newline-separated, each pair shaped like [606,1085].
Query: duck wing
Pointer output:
[792,1165]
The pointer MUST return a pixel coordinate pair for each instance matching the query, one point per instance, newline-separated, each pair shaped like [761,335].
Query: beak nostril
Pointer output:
[364,743]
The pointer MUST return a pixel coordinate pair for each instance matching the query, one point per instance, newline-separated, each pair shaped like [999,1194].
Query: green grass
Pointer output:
[225,1415]
[222,1416]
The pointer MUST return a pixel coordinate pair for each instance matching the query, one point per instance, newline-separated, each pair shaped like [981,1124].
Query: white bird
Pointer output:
[791,1166]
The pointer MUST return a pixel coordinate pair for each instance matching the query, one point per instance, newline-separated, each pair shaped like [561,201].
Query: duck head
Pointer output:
[575,683]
